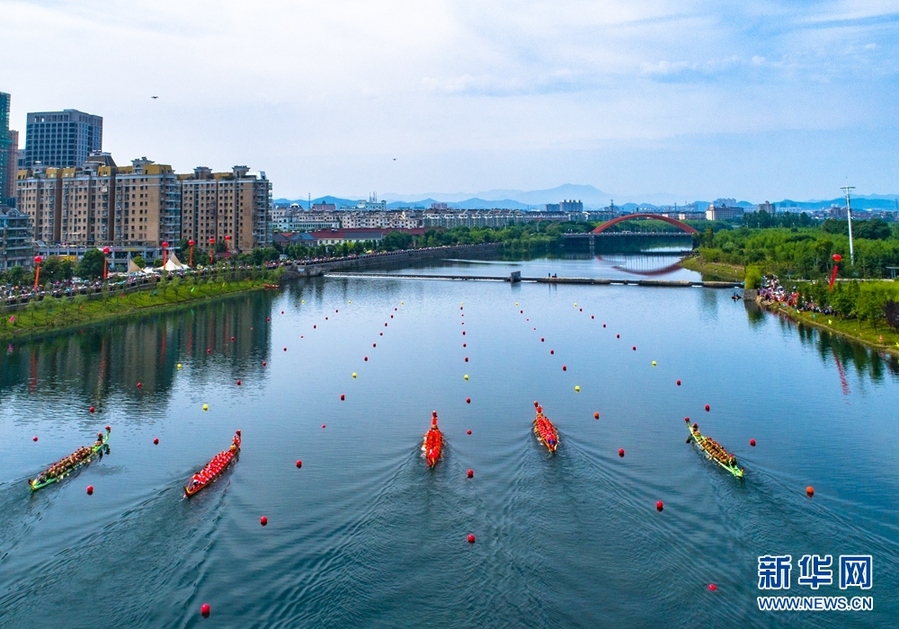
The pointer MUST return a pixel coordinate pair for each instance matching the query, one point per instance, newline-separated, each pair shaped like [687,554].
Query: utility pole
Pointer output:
[846,190]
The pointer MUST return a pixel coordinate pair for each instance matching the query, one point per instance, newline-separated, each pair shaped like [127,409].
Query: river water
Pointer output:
[363,535]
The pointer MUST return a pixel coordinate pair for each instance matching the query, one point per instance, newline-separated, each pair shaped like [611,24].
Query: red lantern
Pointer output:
[37,271]
[837,257]
[106,252]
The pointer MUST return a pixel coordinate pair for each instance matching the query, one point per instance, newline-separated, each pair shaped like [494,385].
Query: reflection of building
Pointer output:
[16,244]
[61,139]
[230,207]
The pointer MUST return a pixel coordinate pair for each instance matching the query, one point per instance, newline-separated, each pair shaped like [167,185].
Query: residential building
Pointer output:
[324,207]
[61,139]
[571,206]
[101,203]
[230,207]
[8,184]
[16,243]
[5,164]
[340,236]
[723,212]
[768,207]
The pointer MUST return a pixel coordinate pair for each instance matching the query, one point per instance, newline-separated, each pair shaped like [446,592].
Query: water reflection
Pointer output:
[90,362]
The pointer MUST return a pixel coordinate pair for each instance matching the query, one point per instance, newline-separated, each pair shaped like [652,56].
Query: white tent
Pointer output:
[174,264]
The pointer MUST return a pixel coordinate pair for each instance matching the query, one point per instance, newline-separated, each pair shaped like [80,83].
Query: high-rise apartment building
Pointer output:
[145,204]
[16,245]
[8,185]
[101,203]
[231,207]
[61,139]
[5,164]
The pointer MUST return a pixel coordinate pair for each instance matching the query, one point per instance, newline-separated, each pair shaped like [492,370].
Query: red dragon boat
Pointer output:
[432,446]
[545,430]
[215,468]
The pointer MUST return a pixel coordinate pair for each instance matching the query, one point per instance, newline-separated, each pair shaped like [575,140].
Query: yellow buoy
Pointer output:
[179,365]
[577,388]
[653,363]
[354,374]
[465,376]
[205,407]
[575,304]
[402,303]
[350,301]
[516,304]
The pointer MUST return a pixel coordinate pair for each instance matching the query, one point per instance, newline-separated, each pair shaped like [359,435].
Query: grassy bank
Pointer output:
[714,271]
[878,336]
[53,314]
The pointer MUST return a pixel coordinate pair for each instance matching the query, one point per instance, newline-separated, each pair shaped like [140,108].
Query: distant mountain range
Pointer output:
[592,198]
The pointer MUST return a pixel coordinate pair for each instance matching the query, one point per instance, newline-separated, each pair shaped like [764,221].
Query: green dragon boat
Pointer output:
[713,450]
[67,466]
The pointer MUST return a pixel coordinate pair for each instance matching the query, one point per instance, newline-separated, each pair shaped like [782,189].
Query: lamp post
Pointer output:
[191,243]
[106,251]
[211,249]
[37,270]
[836,267]
[846,190]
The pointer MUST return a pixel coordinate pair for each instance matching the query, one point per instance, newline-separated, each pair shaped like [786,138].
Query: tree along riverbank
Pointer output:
[52,314]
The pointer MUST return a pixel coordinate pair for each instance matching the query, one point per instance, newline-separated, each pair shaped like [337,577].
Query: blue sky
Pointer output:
[695,99]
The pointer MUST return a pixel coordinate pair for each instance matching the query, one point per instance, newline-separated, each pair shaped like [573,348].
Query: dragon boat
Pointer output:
[713,450]
[215,468]
[546,431]
[68,465]
[432,446]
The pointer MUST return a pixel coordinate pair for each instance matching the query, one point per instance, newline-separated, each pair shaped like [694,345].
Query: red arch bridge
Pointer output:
[683,230]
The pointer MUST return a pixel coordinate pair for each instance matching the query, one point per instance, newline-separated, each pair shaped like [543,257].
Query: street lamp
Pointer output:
[191,245]
[37,271]
[846,190]
[836,267]
[106,251]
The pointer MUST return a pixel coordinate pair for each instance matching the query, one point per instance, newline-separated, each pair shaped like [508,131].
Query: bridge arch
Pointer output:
[620,219]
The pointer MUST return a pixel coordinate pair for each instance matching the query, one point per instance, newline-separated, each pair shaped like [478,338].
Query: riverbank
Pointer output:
[880,338]
[56,314]
[714,271]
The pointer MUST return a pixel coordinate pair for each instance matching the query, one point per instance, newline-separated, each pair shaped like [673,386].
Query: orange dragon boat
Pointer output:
[215,468]
[545,430]
[432,446]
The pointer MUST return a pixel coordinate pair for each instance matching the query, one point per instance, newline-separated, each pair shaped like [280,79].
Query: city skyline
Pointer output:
[680,99]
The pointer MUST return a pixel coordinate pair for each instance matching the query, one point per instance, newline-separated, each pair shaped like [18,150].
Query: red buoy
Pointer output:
[232,339]
[660,505]
[603,325]
[596,415]
[464,344]
[238,383]
[380,334]
[263,363]
[678,383]
[374,344]
[282,312]
[707,408]
[285,349]
[91,409]
[470,473]
[140,385]
[209,350]
[263,520]
[365,359]
[521,312]
[712,587]
[564,368]
[468,400]
[342,397]
[468,431]
[299,464]
[466,359]
[634,348]
[809,491]
[552,351]
[592,317]
[463,332]
[34,438]
[155,441]
[471,538]
[621,452]
[268,318]
[323,425]
[205,609]
[385,324]
[752,442]
[90,490]
[541,339]
[580,309]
